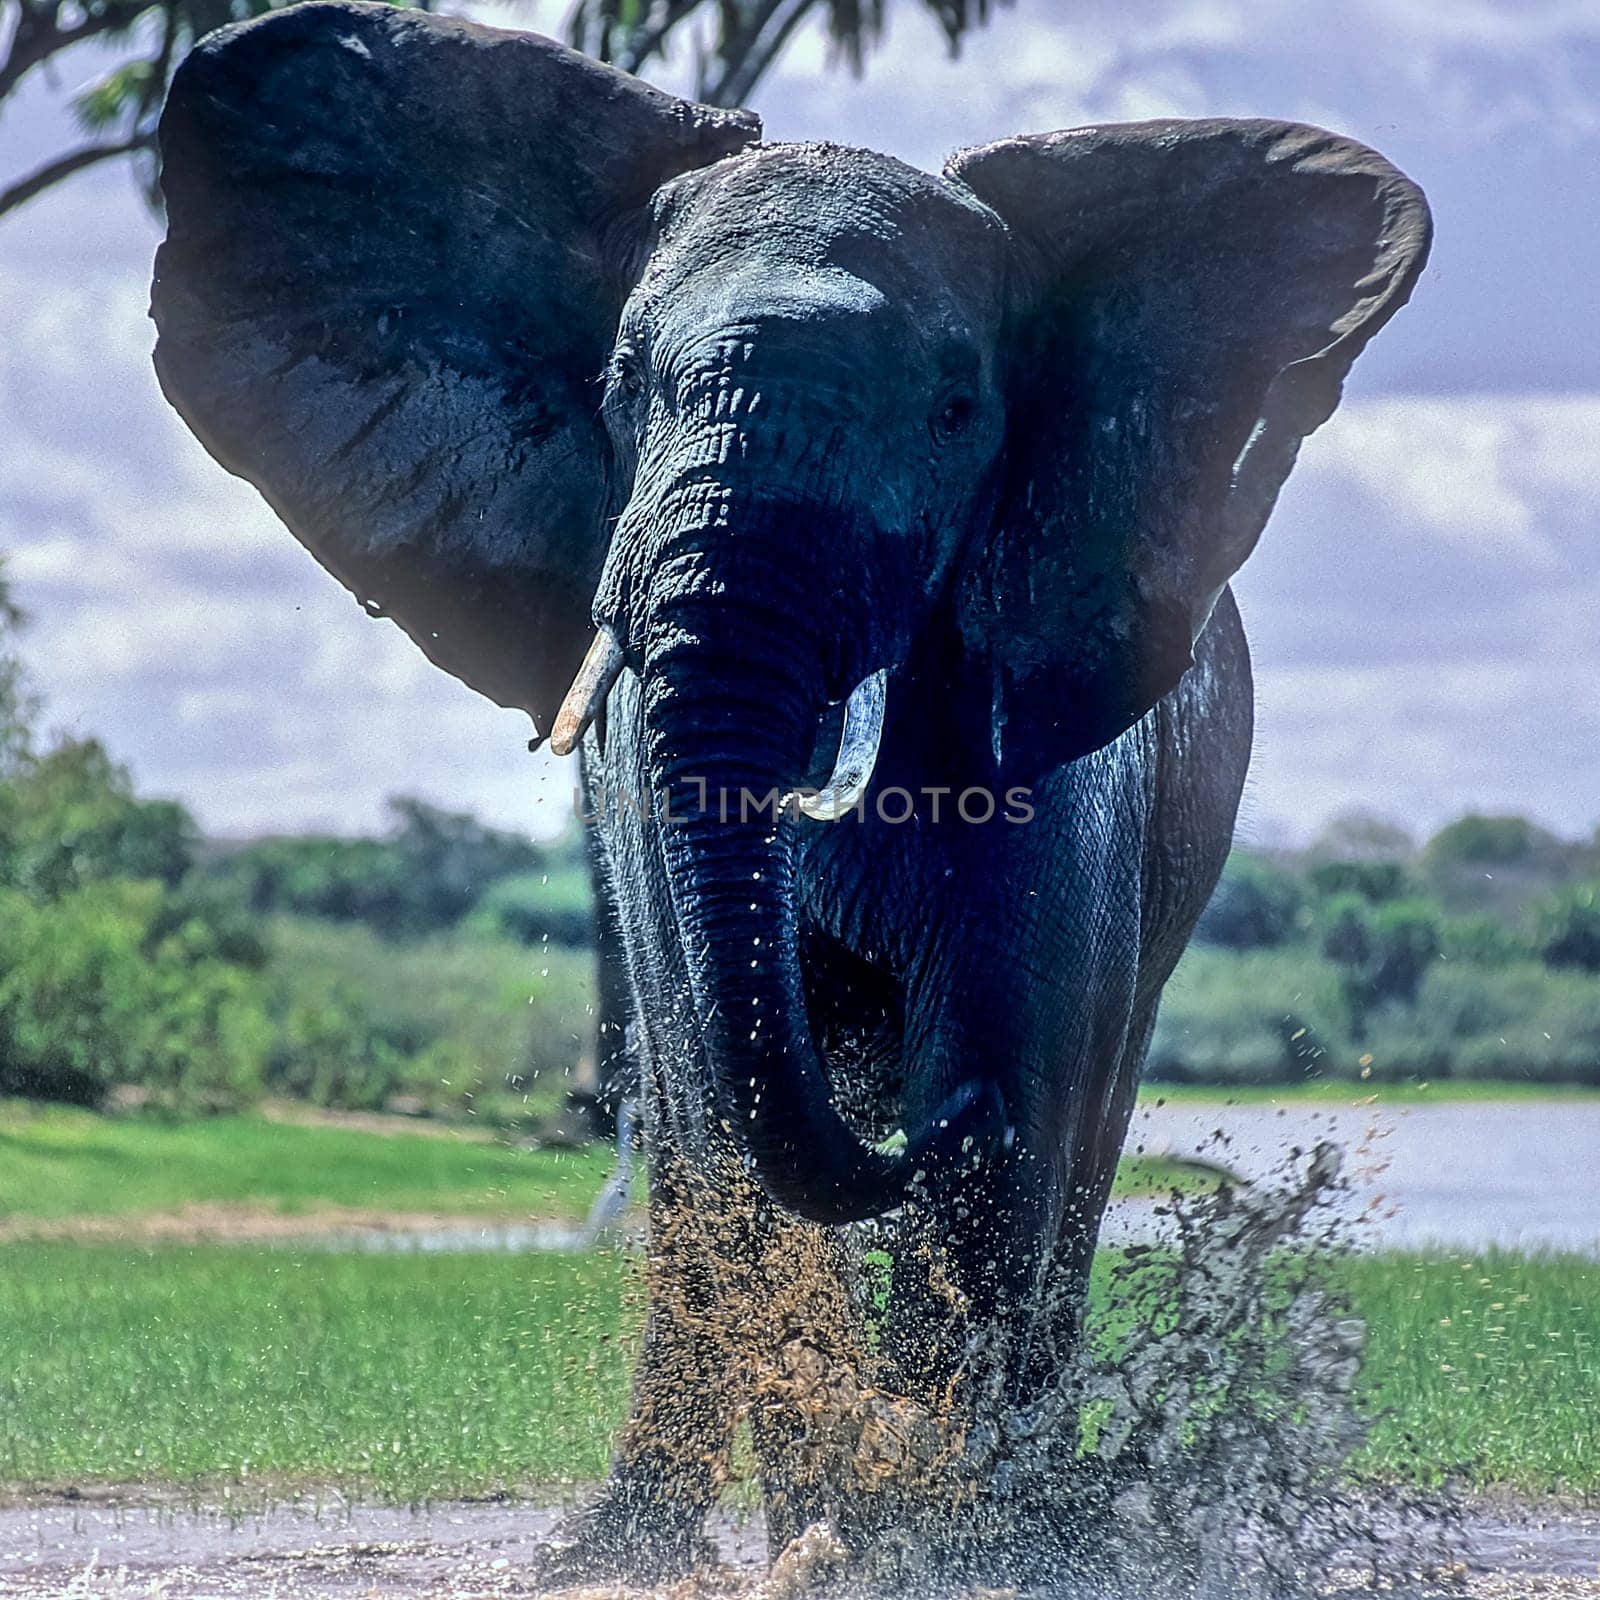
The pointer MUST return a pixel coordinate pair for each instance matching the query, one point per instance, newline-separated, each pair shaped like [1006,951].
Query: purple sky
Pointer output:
[1425,606]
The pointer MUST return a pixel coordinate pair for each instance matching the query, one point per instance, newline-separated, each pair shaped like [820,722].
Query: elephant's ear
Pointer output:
[397,250]
[1189,298]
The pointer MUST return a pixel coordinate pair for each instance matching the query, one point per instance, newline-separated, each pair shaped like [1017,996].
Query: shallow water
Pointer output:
[304,1551]
[1520,1175]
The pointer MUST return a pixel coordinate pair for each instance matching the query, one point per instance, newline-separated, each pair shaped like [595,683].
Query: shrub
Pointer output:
[1566,928]
[1518,1020]
[1406,945]
[537,908]
[72,819]
[423,876]
[1251,1017]
[1383,950]
[1376,882]
[100,987]
[448,1019]
[1522,1021]
[1361,835]
[1481,940]
[1256,905]
[1489,841]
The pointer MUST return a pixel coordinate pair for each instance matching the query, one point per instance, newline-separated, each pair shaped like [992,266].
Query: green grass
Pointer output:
[402,1378]
[1139,1176]
[392,1377]
[1486,1367]
[58,1163]
[1344,1091]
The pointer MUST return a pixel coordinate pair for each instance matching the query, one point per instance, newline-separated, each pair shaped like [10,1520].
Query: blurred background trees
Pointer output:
[444,966]
[413,970]
[1473,955]
[733,45]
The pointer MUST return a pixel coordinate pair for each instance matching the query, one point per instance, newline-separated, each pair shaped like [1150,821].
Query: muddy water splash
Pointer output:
[1194,1450]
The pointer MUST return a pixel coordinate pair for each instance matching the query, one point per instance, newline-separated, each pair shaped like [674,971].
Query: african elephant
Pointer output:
[870,534]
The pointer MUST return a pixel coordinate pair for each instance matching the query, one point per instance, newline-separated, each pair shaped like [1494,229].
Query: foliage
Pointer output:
[1231,1017]
[72,819]
[1392,974]
[1566,928]
[1376,882]
[1489,841]
[423,876]
[1520,1021]
[447,1021]
[1383,949]
[119,110]
[16,706]
[1257,905]
[101,985]
[109,972]
[747,36]
[1362,835]
[1256,1016]
[447,965]
[1482,940]
[125,963]
[538,908]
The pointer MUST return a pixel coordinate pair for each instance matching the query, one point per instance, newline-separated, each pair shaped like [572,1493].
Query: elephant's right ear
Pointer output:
[397,250]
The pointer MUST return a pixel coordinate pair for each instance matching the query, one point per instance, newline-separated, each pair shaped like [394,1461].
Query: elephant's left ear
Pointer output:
[397,249]
[1188,298]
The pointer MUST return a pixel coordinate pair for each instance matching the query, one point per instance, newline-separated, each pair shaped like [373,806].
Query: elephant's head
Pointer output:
[521,348]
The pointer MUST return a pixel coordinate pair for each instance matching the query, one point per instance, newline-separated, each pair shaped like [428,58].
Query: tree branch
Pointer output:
[37,37]
[746,65]
[64,166]
[643,44]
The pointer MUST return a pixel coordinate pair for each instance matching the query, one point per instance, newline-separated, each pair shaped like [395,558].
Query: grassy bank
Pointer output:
[58,1164]
[394,1378]
[403,1378]
[1485,1367]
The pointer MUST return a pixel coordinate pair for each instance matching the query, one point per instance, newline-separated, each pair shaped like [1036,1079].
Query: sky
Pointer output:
[1424,608]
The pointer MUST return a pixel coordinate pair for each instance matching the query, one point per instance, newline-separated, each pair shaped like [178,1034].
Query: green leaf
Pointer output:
[116,95]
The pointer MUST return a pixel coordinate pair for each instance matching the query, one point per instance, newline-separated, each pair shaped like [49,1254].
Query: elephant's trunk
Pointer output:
[731,719]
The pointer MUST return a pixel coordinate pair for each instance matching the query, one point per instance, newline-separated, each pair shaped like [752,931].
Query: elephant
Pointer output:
[869,534]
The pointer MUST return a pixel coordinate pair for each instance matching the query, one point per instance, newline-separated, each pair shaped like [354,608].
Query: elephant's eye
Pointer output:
[627,372]
[954,415]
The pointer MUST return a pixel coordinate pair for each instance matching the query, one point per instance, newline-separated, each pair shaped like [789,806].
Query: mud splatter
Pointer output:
[1195,1449]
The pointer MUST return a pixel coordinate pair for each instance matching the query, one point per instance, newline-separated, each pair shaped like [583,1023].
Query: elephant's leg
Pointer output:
[809,1366]
[967,1255]
[672,1456]
[1054,1329]
[615,1066]
[941,1293]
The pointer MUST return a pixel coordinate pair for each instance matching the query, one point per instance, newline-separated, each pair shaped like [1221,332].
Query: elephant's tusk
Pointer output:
[858,754]
[588,692]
